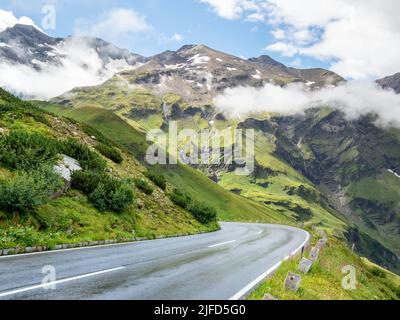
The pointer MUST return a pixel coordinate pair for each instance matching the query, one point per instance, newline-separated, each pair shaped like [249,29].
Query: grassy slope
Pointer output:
[383,189]
[324,281]
[71,218]
[229,205]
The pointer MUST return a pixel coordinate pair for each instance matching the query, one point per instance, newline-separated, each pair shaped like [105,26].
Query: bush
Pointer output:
[378,273]
[202,212]
[144,186]
[180,199]
[21,150]
[88,159]
[120,198]
[110,153]
[87,181]
[158,179]
[25,192]
[104,192]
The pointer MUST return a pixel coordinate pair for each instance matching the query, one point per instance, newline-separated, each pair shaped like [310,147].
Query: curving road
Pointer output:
[216,266]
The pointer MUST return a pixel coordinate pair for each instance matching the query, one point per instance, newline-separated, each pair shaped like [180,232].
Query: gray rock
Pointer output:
[321,243]
[314,254]
[66,167]
[305,265]
[7,252]
[30,249]
[292,282]
[269,297]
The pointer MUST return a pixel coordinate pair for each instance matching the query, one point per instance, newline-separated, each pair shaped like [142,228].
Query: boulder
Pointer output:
[305,265]
[314,254]
[269,297]
[292,282]
[66,167]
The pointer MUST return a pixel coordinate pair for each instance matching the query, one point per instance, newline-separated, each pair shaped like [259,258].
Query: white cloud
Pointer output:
[118,22]
[230,9]
[177,37]
[279,34]
[354,99]
[8,20]
[360,38]
[80,65]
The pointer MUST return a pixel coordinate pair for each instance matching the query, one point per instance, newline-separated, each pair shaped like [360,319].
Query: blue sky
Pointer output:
[194,21]
[358,39]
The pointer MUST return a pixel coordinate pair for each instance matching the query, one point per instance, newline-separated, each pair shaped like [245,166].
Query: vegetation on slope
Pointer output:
[103,203]
[228,205]
[324,281]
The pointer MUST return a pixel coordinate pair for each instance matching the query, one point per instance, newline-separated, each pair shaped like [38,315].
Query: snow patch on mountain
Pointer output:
[199,59]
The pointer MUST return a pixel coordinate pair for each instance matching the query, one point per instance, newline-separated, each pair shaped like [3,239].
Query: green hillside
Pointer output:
[229,206]
[113,198]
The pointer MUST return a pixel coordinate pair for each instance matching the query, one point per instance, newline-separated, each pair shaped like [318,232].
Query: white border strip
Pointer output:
[53,283]
[252,285]
[222,244]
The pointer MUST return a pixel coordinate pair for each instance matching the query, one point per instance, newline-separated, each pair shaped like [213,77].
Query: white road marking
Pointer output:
[39,286]
[259,233]
[222,244]
[266,274]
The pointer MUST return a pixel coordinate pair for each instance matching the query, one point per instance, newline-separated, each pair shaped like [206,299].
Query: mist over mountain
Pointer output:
[35,65]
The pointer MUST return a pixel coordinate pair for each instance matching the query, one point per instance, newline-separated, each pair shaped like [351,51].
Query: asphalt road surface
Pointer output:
[215,266]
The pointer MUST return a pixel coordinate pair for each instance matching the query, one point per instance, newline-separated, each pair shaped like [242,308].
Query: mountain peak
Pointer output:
[266,60]
[25,34]
[391,82]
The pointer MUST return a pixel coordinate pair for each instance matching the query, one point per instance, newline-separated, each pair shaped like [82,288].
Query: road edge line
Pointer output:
[256,282]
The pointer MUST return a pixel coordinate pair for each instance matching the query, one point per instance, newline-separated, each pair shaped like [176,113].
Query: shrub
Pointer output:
[88,159]
[104,192]
[378,272]
[25,192]
[87,181]
[21,150]
[144,186]
[180,199]
[158,179]
[117,200]
[120,198]
[202,212]
[110,153]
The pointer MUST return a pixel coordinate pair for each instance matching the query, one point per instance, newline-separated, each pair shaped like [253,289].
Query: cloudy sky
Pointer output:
[359,39]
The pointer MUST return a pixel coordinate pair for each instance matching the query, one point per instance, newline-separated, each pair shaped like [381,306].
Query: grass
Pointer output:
[71,218]
[324,281]
[229,206]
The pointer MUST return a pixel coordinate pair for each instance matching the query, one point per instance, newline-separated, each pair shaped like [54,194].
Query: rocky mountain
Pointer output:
[198,73]
[26,52]
[315,78]
[392,82]
[25,44]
